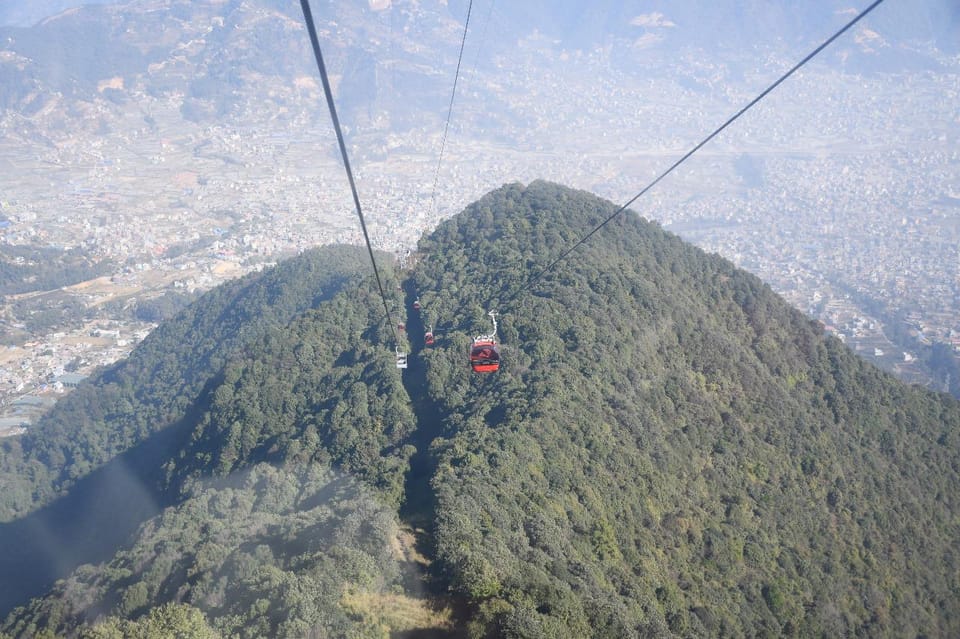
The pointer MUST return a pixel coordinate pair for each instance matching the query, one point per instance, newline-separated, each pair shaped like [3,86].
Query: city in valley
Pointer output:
[841,189]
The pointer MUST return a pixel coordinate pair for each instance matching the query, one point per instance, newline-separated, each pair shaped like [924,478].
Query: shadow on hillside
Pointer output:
[418,510]
[98,515]
[419,502]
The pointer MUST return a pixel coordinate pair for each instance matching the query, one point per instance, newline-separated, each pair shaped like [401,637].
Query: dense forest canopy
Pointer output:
[267,552]
[668,449]
[153,388]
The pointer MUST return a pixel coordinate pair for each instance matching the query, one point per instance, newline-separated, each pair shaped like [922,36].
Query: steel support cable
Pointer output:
[315,42]
[483,35]
[453,94]
[533,280]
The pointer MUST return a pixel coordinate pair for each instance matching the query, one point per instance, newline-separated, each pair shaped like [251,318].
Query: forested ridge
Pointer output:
[153,388]
[668,449]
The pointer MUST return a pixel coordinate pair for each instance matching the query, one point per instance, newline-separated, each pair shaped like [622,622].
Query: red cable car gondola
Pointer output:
[484,355]
[416,304]
[428,338]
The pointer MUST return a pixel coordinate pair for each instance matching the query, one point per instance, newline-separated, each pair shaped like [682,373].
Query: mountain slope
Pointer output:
[668,450]
[273,559]
[280,544]
[152,388]
[93,468]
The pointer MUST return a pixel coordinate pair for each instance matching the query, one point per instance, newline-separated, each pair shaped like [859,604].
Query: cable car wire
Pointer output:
[453,94]
[315,42]
[533,280]
[483,34]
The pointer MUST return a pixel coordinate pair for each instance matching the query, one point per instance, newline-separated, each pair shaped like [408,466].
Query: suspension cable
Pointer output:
[533,280]
[453,94]
[315,42]
[483,34]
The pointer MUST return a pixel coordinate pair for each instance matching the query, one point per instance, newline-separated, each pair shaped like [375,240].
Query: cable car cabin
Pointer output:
[401,360]
[402,326]
[484,356]
[428,339]
[416,304]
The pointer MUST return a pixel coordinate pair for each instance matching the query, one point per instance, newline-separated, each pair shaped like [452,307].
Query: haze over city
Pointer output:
[174,145]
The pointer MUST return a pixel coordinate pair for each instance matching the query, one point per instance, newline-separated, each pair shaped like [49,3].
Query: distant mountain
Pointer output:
[222,59]
[25,13]
[668,449]
[228,60]
[731,25]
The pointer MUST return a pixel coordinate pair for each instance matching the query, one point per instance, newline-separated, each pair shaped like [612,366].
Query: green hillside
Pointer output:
[106,458]
[267,552]
[668,450]
[152,389]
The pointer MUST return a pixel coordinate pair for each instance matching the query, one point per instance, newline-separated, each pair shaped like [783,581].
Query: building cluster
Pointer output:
[823,191]
[34,373]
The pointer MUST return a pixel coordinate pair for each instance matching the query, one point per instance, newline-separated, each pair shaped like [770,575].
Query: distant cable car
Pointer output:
[428,338]
[484,355]
[416,304]
[402,326]
[401,358]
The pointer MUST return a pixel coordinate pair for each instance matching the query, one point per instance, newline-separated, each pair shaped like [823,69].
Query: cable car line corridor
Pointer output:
[418,505]
[418,510]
